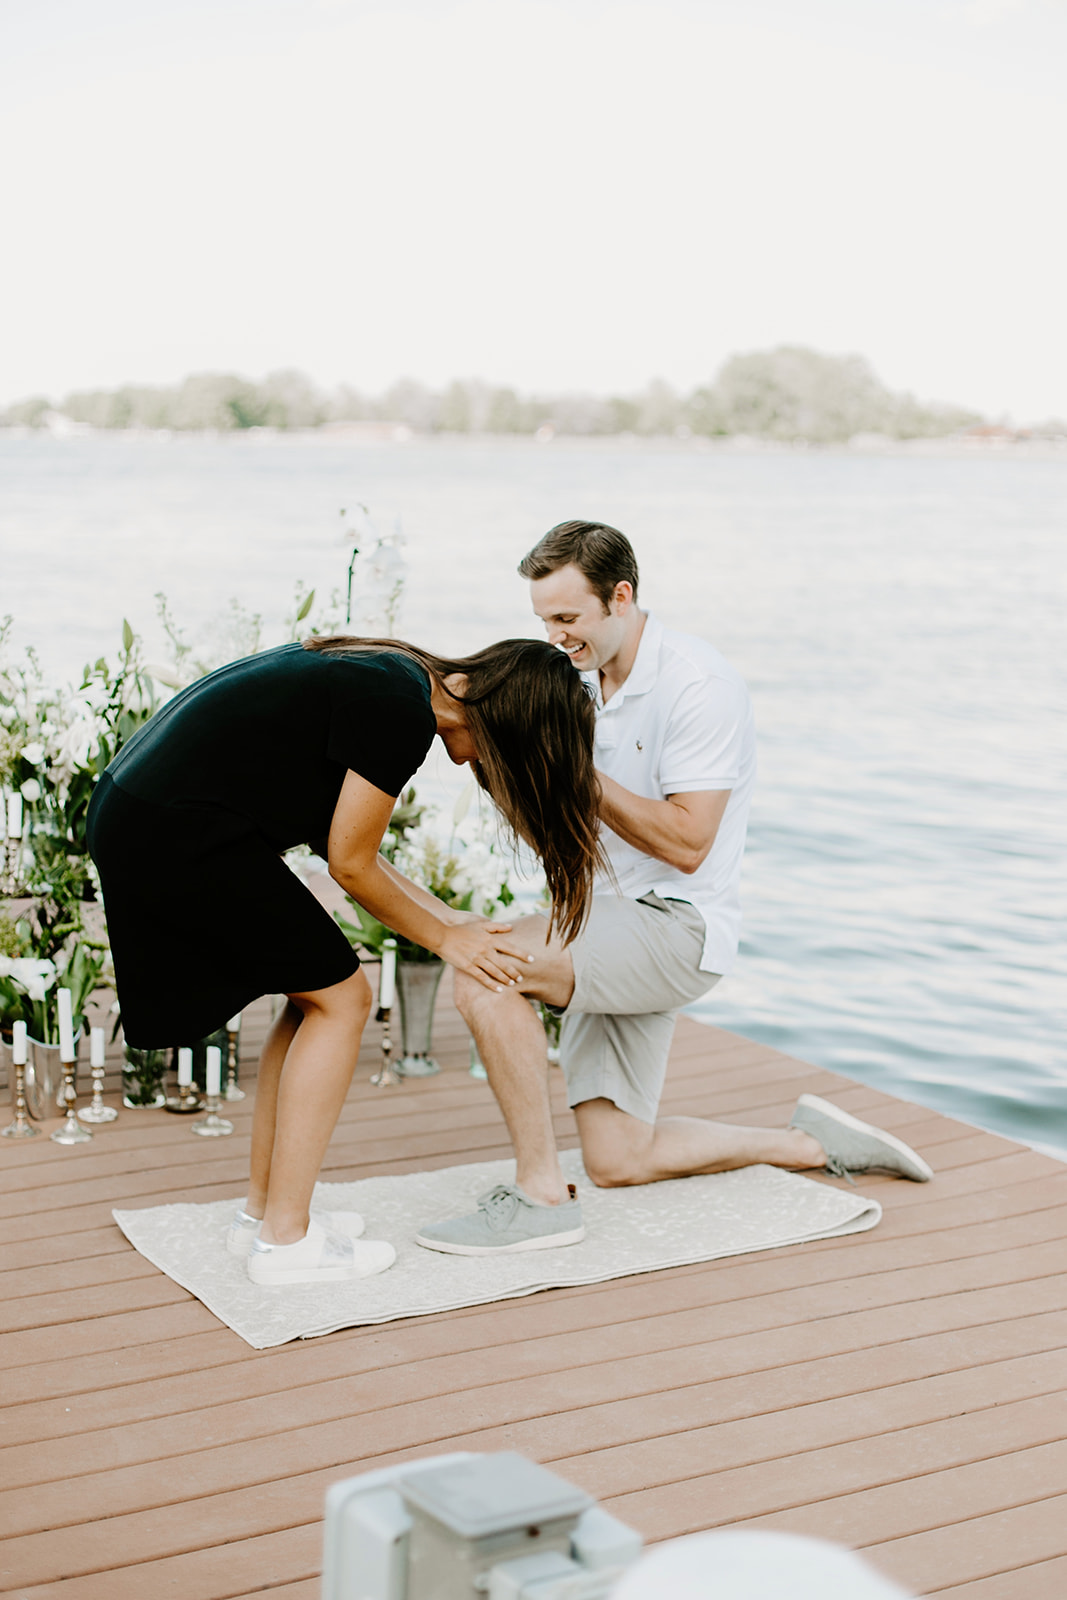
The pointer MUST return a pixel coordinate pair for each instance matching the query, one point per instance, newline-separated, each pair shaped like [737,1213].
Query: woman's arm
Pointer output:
[479,948]
[428,901]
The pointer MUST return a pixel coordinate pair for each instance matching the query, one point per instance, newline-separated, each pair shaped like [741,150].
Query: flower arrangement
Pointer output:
[463,868]
[55,744]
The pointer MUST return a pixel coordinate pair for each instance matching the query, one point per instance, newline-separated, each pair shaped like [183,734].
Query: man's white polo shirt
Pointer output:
[680,724]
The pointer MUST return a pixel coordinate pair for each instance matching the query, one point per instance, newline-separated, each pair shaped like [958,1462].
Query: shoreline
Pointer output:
[383,435]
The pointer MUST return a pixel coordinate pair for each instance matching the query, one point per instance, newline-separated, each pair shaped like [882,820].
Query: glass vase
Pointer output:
[143,1076]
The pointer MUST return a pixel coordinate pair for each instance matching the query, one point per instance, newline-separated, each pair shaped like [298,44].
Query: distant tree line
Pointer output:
[789,393]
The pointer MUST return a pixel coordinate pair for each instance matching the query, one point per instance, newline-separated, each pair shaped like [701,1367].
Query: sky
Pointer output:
[580,195]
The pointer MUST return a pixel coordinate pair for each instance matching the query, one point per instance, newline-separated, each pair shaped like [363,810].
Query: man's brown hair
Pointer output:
[602,554]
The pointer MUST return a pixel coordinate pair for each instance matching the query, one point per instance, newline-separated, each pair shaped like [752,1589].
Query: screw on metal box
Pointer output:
[461,1525]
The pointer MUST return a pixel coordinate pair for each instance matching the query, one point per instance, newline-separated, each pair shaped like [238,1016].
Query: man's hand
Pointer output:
[678,831]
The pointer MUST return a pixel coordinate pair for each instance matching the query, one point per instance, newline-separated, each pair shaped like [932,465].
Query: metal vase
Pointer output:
[416,987]
[44,1079]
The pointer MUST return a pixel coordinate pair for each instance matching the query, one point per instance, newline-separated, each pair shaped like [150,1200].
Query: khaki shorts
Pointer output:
[636,963]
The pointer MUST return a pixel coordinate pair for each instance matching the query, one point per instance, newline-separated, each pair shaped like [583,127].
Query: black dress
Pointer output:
[188,825]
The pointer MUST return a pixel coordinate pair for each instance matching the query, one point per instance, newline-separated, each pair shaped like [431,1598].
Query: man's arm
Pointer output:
[678,831]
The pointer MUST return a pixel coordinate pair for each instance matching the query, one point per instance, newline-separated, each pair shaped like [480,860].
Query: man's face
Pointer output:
[575,619]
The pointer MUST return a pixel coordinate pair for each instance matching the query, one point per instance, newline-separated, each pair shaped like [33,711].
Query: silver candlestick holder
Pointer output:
[213,1126]
[70,1130]
[96,1110]
[232,1032]
[387,1072]
[11,853]
[188,1098]
[20,1128]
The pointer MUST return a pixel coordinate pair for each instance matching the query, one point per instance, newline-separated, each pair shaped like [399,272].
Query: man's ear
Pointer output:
[623,594]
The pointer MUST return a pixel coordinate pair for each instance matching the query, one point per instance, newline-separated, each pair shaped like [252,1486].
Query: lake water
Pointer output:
[899,620]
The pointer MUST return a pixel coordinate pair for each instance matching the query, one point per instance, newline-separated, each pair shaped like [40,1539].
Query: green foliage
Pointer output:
[11,942]
[786,393]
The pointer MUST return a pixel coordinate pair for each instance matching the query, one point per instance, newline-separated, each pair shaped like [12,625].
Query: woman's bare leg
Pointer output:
[308,1093]
[264,1111]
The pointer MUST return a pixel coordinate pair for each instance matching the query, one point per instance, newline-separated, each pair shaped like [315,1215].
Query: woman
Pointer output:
[313,743]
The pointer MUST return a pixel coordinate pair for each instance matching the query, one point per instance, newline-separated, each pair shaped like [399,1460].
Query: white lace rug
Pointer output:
[626,1231]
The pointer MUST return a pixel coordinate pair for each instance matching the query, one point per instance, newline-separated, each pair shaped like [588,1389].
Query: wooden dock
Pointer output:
[902,1391]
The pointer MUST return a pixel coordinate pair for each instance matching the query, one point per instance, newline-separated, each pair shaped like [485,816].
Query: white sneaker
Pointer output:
[319,1257]
[243,1228]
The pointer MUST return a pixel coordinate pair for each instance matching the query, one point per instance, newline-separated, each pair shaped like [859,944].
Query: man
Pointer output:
[675,752]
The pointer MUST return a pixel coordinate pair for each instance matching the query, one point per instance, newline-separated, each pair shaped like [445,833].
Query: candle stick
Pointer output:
[387,987]
[71,1131]
[20,1128]
[386,995]
[66,1025]
[212,1126]
[232,1030]
[187,1098]
[96,1110]
[14,815]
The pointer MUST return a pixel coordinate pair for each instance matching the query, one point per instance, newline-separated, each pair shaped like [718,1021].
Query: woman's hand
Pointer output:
[482,950]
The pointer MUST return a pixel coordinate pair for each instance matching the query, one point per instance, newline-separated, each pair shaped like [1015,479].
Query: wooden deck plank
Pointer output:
[39,1419]
[909,1381]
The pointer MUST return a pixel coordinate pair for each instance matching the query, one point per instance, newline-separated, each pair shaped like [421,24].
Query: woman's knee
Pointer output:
[350,999]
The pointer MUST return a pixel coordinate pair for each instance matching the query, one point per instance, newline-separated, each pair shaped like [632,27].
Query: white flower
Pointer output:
[7,715]
[30,790]
[33,753]
[36,977]
[78,742]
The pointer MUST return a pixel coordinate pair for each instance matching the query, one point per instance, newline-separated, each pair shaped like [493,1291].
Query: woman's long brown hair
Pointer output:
[532,720]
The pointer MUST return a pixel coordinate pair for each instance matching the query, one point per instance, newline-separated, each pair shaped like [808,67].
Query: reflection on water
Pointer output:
[899,621]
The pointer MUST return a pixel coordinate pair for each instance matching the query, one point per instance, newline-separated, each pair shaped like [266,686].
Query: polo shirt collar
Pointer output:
[645,670]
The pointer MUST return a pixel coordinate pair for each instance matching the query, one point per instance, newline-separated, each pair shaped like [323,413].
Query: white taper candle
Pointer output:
[18,1044]
[96,1047]
[387,987]
[214,1069]
[185,1067]
[14,816]
[66,1025]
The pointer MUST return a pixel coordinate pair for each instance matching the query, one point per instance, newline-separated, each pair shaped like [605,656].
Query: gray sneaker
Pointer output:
[854,1146]
[506,1221]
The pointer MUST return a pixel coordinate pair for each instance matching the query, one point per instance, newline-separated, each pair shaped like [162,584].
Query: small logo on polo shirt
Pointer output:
[640,746]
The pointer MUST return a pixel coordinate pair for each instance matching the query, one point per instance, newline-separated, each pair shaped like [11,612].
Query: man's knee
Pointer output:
[615,1145]
[612,1170]
[468,994]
